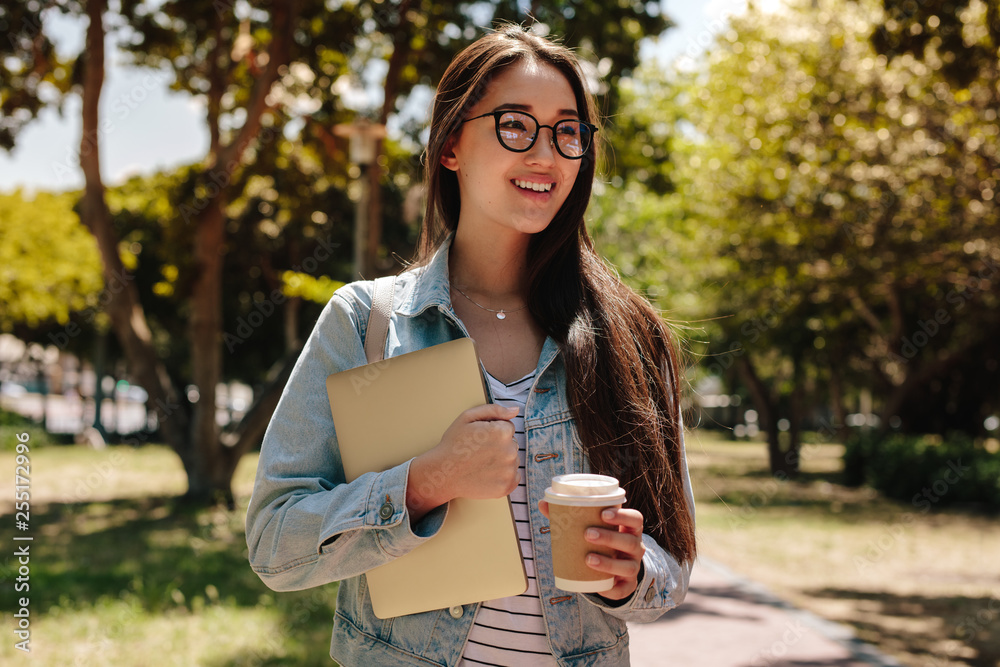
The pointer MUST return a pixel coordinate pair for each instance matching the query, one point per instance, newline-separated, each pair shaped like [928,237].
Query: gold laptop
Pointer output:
[386,413]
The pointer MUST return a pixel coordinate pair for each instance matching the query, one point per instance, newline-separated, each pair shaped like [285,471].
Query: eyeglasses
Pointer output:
[517,132]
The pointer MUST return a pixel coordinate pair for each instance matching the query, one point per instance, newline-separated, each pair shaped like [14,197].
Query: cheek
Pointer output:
[569,178]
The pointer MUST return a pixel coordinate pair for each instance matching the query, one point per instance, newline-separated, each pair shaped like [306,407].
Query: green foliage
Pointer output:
[318,290]
[49,265]
[30,68]
[928,471]
[965,32]
[848,202]
[11,424]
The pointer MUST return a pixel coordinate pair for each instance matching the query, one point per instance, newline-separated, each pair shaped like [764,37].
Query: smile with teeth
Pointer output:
[537,187]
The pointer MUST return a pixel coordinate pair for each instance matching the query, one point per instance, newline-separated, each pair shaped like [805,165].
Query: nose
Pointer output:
[544,150]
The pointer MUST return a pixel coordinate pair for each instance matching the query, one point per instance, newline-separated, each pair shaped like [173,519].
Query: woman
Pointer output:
[583,374]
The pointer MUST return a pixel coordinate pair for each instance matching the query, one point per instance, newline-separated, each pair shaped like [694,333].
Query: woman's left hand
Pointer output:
[627,543]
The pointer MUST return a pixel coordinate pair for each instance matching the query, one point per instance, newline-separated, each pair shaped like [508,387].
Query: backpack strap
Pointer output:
[378,319]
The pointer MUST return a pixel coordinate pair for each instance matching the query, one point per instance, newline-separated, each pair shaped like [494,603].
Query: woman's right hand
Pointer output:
[476,458]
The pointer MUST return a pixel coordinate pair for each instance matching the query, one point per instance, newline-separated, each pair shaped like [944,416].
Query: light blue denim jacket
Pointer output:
[307,527]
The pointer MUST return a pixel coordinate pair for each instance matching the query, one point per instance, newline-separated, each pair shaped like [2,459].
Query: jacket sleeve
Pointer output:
[663,580]
[306,525]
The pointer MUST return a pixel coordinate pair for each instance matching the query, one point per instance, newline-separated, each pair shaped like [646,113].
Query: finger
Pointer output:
[489,412]
[625,542]
[543,507]
[629,519]
[619,567]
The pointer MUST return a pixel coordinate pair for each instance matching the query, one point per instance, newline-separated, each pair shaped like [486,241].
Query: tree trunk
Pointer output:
[120,295]
[209,463]
[767,411]
[839,428]
[202,464]
[790,458]
[401,47]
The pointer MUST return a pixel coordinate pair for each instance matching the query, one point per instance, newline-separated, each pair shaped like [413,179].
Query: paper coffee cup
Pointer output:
[575,504]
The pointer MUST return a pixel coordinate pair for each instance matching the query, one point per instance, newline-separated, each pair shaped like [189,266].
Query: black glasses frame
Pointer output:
[496,120]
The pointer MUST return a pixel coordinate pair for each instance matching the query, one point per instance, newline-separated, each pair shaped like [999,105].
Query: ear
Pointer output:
[448,158]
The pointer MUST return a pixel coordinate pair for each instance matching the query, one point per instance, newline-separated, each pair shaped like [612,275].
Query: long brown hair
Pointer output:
[621,361]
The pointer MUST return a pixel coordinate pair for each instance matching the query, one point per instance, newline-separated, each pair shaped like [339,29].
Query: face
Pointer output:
[503,191]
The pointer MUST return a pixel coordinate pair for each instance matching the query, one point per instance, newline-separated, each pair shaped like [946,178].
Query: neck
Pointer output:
[495,268]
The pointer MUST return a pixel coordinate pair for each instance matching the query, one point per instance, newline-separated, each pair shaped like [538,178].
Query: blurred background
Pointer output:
[806,188]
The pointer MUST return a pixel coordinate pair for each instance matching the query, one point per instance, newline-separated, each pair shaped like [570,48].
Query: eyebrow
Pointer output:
[527,107]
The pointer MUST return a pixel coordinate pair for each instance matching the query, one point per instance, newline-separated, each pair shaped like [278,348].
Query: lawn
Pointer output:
[122,576]
[922,584]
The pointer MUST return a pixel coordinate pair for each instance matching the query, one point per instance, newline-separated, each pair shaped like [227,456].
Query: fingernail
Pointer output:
[592,559]
[592,534]
[608,515]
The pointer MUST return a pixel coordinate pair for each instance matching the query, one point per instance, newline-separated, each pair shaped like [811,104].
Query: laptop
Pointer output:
[387,412]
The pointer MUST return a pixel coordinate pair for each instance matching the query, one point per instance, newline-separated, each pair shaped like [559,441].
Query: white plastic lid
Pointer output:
[584,487]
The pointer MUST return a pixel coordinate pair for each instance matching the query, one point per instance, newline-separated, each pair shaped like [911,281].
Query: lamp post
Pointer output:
[363,148]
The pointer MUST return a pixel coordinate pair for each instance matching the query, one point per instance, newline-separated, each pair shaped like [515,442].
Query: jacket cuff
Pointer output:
[662,586]
[385,510]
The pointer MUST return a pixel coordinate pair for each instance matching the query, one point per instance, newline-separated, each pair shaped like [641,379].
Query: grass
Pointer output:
[924,586]
[120,575]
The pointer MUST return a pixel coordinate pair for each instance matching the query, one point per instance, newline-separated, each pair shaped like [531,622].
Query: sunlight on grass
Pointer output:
[117,632]
[122,575]
[130,577]
[917,583]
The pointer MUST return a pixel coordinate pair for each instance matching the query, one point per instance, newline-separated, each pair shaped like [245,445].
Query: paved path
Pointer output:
[727,621]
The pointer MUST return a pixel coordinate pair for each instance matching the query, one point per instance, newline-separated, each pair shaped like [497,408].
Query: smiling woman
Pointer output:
[582,372]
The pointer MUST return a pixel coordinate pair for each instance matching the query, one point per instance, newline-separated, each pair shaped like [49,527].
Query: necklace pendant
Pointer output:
[501,315]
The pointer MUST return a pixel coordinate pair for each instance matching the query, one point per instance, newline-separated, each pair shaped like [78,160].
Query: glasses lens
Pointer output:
[573,137]
[517,130]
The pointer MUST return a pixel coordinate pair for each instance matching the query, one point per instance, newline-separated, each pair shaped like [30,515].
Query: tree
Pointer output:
[942,26]
[31,74]
[840,185]
[270,73]
[826,213]
[49,266]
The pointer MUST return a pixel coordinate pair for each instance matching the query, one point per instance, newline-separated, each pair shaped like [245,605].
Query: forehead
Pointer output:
[536,84]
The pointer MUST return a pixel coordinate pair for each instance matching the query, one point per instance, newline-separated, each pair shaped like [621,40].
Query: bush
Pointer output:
[12,423]
[924,470]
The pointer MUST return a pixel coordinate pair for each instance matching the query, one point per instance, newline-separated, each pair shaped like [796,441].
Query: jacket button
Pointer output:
[456,612]
[650,594]
[385,512]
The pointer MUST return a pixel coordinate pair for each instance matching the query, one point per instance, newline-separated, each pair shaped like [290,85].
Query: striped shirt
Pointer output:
[511,631]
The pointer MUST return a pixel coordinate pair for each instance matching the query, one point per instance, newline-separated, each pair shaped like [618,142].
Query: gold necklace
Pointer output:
[501,314]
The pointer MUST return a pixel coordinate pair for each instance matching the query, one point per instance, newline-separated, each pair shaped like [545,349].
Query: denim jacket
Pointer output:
[307,527]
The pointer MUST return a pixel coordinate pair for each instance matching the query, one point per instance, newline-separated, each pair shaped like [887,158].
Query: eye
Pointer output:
[515,122]
[569,129]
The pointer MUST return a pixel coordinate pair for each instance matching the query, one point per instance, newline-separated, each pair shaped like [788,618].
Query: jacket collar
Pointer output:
[429,286]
